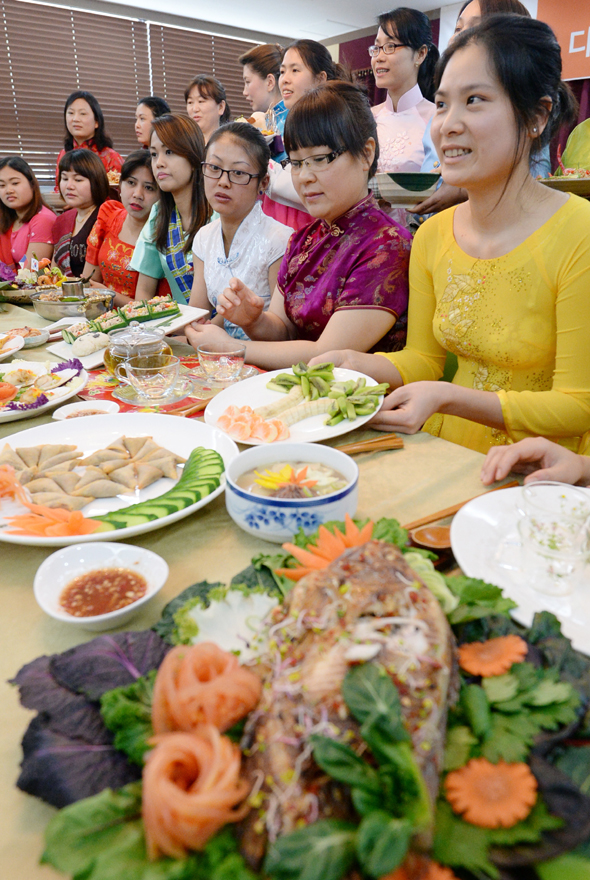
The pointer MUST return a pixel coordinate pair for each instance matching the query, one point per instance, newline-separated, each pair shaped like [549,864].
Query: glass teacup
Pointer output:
[222,361]
[554,530]
[153,376]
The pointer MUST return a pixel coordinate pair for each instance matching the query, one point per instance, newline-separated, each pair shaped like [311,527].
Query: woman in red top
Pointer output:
[114,235]
[85,129]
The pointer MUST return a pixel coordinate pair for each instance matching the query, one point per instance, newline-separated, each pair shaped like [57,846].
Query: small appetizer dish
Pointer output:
[273,491]
[86,408]
[98,586]
[9,345]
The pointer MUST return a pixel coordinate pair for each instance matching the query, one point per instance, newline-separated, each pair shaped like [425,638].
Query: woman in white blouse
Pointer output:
[403,60]
[243,243]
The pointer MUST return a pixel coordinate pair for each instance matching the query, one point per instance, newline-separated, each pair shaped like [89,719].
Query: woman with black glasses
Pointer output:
[243,243]
[403,60]
[344,275]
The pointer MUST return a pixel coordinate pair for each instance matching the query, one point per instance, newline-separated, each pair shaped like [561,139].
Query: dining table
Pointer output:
[426,475]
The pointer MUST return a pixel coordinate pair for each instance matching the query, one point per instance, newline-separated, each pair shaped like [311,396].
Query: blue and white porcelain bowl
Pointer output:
[277,519]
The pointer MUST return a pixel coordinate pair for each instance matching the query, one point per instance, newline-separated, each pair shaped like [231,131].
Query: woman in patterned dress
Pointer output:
[344,275]
[114,235]
[403,60]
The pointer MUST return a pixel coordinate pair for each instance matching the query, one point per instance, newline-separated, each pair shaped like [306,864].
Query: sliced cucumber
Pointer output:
[201,476]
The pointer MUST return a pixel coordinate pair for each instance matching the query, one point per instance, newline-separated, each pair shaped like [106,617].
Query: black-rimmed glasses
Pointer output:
[315,163]
[241,178]
[387,49]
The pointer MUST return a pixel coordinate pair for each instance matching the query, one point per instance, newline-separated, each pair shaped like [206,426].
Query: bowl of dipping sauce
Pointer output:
[86,408]
[291,502]
[98,586]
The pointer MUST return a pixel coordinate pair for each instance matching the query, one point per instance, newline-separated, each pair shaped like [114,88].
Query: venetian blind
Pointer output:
[119,60]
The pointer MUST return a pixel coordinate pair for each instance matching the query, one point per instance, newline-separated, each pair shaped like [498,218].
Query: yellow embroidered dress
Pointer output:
[519,325]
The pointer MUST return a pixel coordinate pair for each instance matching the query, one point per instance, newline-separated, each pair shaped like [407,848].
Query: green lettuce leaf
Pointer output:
[102,838]
[127,712]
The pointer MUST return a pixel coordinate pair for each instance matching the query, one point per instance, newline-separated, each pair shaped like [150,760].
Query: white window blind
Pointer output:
[48,52]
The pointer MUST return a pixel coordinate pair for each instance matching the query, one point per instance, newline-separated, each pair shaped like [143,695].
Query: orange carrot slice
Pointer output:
[305,556]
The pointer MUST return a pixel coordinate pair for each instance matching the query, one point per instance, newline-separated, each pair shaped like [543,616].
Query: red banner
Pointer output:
[570,21]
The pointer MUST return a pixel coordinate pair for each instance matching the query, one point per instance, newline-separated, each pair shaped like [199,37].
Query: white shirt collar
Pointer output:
[406,102]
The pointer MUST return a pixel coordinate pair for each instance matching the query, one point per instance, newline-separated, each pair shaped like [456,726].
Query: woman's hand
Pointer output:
[205,334]
[444,197]
[407,408]
[239,304]
[539,458]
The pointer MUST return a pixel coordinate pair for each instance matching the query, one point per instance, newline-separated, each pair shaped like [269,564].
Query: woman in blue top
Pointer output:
[262,67]
[164,247]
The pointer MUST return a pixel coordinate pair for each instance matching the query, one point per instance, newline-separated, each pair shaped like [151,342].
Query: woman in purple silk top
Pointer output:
[344,278]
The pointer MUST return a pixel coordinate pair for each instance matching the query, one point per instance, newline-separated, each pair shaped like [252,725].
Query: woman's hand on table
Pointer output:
[539,458]
[239,304]
[407,408]
[205,334]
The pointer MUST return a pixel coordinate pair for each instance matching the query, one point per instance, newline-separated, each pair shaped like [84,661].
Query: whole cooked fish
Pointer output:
[367,606]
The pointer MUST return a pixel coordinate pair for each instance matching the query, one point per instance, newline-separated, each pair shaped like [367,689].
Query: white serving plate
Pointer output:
[179,435]
[91,361]
[58,395]
[12,346]
[253,392]
[486,545]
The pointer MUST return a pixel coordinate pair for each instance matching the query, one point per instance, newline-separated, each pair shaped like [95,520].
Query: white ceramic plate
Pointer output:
[486,545]
[11,346]
[91,361]
[58,395]
[253,392]
[178,435]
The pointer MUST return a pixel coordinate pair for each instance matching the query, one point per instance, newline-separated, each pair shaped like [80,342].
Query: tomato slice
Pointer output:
[8,392]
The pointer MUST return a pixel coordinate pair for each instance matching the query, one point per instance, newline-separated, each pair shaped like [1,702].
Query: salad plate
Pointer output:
[57,395]
[253,392]
[91,361]
[186,436]
[486,545]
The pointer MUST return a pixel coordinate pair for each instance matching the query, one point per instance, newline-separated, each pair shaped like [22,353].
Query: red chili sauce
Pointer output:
[102,591]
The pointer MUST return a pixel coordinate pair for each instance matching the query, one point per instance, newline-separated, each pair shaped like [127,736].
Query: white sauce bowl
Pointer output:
[62,567]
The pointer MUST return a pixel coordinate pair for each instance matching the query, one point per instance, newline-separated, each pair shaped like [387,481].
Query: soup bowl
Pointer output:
[277,519]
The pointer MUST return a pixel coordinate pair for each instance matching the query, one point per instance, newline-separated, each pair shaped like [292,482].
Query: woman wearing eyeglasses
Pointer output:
[344,275]
[403,60]
[243,243]
[164,246]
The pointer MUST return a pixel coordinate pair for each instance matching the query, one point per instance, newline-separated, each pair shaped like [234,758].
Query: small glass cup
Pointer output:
[222,361]
[554,530]
[153,376]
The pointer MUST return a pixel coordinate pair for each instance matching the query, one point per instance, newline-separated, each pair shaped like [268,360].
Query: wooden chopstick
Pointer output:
[190,410]
[388,441]
[451,511]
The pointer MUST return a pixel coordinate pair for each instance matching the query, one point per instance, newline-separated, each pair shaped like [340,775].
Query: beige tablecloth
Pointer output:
[427,475]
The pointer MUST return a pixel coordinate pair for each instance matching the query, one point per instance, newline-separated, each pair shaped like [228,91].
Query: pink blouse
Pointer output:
[15,243]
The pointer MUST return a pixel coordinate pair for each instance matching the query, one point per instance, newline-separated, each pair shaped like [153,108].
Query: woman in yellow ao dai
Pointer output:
[502,280]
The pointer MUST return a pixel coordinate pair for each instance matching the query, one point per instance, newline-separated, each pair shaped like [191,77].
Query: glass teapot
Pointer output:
[134,340]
